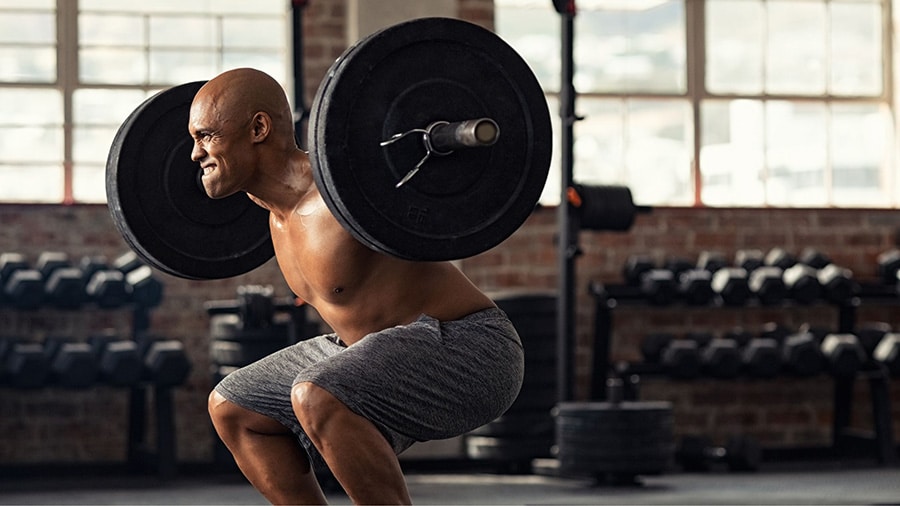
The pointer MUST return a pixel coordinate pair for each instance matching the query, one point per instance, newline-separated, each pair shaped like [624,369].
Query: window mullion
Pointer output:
[696,62]
[67,81]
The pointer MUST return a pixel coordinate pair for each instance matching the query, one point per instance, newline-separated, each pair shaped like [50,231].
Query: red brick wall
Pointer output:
[59,426]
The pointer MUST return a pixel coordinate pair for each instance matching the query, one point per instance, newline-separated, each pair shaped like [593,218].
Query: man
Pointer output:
[418,352]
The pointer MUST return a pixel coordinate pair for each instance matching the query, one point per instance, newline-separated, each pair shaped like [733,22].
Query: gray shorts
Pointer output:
[418,382]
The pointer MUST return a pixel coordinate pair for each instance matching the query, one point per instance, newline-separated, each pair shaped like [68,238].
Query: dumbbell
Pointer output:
[766,283]
[678,358]
[165,361]
[801,354]
[719,358]
[749,259]
[108,289]
[844,355]
[63,283]
[760,356]
[888,266]
[802,283]
[23,364]
[119,360]
[711,261]
[837,284]
[882,344]
[21,286]
[781,258]
[741,453]
[657,285]
[732,286]
[73,363]
[695,286]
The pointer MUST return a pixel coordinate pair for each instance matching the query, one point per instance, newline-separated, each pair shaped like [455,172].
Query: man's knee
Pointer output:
[314,406]
[229,419]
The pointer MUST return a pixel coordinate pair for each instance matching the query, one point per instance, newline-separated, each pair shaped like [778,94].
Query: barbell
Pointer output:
[429,140]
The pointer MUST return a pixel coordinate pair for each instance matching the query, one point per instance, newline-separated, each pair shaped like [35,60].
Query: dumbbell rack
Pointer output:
[141,457]
[879,440]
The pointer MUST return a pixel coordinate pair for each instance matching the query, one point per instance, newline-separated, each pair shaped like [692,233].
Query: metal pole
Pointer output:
[567,243]
[300,110]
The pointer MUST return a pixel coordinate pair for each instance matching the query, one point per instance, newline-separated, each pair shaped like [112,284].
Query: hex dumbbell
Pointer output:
[73,363]
[23,364]
[165,361]
[119,360]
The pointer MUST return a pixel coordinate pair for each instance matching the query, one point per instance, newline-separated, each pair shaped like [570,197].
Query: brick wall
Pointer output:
[75,426]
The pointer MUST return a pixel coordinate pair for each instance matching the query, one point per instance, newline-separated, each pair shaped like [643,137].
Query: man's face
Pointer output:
[220,146]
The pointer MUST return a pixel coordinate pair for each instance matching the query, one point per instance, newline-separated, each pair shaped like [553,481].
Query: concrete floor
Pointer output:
[811,484]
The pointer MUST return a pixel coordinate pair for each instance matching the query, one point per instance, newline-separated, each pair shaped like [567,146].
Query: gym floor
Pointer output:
[819,484]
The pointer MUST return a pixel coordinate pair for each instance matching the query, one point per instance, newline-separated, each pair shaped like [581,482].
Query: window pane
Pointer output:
[183,31]
[731,153]
[108,65]
[270,63]
[112,30]
[206,6]
[31,144]
[796,153]
[38,183]
[28,64]
[91,144]
[630,48]
[258,33]
[734,48]
[860,154]
[658,151]
[30,106]
[89,182]
[795,52]
[29,4]
[182,66]
[104,106]
[526,26]
[27,27]
[856,59]
[645,144]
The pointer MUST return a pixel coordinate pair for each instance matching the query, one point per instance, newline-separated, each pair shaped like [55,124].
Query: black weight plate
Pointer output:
[406,77]
[160,207]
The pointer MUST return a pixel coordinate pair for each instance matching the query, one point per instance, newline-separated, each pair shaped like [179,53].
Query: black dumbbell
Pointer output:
[22,287]
[165,361]
[749,259]
[108,289]
[766,283]
[801,354]
[681,359]
[732,286]
[145,289]
[72,363]
[802,282]
[888,353]
[719,357]
[881,344]
[844,355]
[49,261]
[711,261]
[814,258]
[741,453]
[780,257]
[23,364]
[65,288]
[678,358]
[119,360]
[759,356]
[888,266]
[837,283]
[695,287]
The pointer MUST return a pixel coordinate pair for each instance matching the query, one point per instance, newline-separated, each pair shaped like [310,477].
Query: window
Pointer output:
[767,103]
[72,71]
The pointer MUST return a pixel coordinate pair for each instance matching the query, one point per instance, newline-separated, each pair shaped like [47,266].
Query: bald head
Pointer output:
[235,96]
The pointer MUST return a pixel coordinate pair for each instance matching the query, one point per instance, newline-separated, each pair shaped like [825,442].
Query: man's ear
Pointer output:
[261,126]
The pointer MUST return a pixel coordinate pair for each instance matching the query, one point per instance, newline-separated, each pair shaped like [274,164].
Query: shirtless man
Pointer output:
[418,352]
